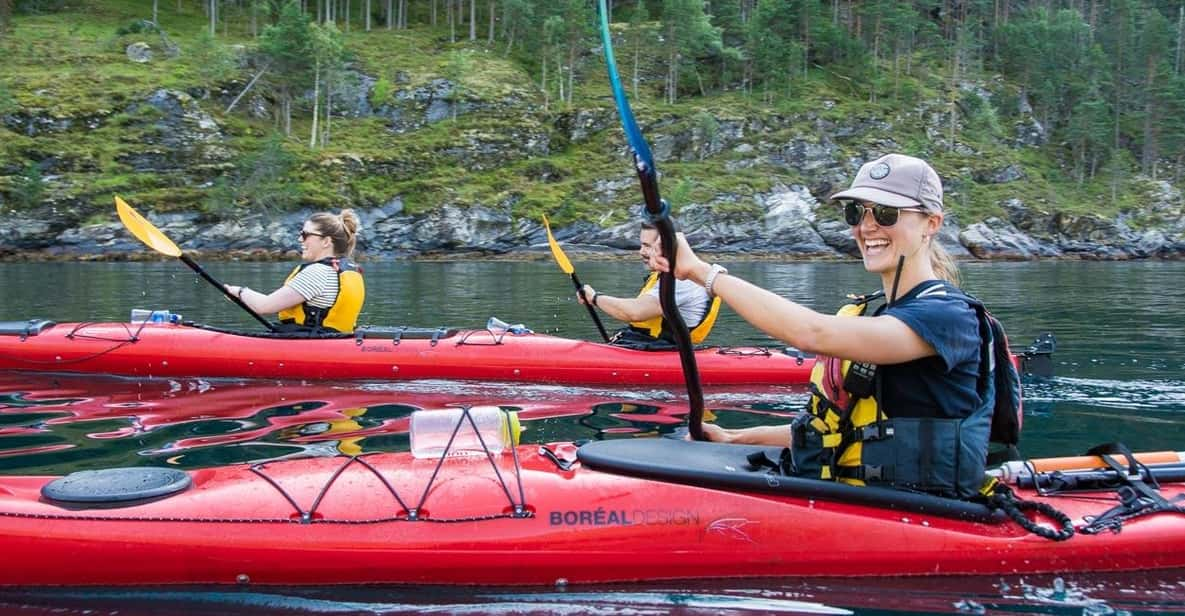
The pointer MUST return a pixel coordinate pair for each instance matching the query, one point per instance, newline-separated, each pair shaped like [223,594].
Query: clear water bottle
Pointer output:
[140,315]
[431,429]
[496,325]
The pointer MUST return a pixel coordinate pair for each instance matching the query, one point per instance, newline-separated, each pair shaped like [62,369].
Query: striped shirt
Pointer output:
[317,284]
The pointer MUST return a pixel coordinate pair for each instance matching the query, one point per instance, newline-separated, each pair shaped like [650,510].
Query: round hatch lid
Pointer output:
[113,485]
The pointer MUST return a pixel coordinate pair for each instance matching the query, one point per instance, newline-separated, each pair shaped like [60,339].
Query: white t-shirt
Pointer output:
[317,284]
[691,299]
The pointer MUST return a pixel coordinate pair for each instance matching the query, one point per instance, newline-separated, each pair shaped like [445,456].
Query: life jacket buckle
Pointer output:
[878,431]
[873,473]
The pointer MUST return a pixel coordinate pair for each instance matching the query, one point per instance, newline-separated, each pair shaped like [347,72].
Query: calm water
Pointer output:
[1120,376]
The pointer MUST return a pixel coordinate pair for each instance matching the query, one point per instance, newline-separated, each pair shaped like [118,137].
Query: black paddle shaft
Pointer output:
[670,311]
[658,213]
[591,311]
[210,279]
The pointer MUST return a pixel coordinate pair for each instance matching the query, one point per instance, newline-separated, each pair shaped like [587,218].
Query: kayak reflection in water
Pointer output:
[325,292]
[902,407]
[646,328]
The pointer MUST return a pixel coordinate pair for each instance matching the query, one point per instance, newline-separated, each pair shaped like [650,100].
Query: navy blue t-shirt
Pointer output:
[942,385]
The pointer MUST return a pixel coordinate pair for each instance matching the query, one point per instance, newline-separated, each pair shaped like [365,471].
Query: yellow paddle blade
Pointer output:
[560,258]
[144,230]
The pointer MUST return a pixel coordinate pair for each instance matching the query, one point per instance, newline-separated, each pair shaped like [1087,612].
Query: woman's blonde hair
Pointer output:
[342,229]
[942,263]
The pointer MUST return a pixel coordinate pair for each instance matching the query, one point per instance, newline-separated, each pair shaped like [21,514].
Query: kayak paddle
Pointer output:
[154,239]
[561,259]
[658,212]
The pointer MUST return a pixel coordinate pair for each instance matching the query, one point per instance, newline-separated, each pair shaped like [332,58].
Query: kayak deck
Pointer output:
[188,350]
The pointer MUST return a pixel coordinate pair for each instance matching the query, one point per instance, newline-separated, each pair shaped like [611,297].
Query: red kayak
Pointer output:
[640,509]
[191,350]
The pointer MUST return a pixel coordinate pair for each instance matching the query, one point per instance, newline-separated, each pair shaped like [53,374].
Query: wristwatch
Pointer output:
[717,269]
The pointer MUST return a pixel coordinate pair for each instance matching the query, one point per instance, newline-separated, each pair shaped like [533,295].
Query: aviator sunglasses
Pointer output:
[884,215]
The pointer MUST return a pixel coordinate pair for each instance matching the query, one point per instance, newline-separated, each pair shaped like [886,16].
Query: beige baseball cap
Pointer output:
[896,180]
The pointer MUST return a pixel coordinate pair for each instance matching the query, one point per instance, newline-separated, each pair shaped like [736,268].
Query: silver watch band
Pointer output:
[717,269]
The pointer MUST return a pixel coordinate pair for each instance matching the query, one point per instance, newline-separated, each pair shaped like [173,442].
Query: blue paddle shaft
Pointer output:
[658,213]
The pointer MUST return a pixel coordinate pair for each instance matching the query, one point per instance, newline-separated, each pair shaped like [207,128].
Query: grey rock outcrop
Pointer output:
[180,136]
[139,52]
[998,239]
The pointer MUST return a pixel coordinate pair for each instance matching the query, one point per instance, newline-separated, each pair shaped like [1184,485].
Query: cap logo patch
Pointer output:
[879,171]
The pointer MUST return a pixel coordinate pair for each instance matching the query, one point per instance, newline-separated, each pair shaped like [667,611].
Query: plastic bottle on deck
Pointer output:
[140,315]
[496,325]
[431,429]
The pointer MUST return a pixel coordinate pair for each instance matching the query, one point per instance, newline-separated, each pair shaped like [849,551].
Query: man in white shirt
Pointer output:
[643,313]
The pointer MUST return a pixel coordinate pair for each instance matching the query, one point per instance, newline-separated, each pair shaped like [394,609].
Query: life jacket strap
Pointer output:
[866,472]
[875,431]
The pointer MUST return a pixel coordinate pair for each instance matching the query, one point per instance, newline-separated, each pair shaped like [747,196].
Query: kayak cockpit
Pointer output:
[729,467]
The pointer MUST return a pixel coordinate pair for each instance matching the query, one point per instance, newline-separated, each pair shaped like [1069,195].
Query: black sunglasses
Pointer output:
[304,235]
[884,215]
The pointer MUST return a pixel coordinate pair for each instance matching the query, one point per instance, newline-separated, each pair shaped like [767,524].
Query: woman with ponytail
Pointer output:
[325,292]
[902,381]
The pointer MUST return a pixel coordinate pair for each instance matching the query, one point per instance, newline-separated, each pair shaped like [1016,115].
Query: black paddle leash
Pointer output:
[658,213]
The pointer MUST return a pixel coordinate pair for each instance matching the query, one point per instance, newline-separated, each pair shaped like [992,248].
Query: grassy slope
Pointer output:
[72,64]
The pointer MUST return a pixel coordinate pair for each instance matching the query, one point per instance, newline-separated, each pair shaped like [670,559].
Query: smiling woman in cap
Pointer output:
[897,396]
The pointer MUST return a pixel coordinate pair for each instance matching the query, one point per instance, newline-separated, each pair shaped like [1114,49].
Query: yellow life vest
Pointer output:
[342,316]
[842,398]
[656,327]
[847,436]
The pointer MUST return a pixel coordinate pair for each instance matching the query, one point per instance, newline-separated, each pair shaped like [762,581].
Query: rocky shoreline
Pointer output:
[794,226]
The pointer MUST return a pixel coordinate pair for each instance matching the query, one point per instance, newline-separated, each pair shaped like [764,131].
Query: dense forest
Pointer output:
[1104,80]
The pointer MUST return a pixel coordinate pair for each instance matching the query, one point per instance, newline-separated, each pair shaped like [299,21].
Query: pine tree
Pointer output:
[1155,40]
[637,32]
[5,16]
[773,46]
[578,18]
[687,33]
[517,16]
[726,15]
[288,48]
[328,51]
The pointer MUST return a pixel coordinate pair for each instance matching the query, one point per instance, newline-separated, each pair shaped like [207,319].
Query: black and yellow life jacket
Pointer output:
[658,329]
[846,435]
[342,316]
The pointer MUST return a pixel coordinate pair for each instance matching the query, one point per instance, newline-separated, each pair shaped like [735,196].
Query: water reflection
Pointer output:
[1153,592]
[206,422]
[57,423]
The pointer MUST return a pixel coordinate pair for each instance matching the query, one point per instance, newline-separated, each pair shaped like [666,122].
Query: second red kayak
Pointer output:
[620,510]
